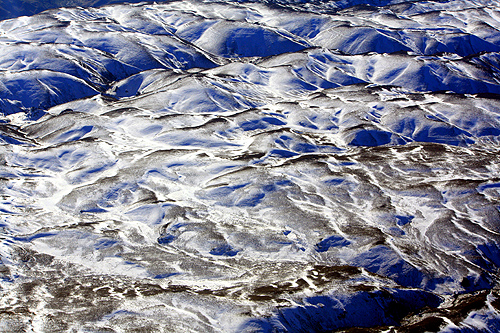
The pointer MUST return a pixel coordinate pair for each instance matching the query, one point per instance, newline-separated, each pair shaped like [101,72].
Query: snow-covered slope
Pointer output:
[250,166]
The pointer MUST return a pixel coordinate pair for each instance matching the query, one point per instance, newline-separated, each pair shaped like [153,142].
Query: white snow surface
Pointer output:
[251,167]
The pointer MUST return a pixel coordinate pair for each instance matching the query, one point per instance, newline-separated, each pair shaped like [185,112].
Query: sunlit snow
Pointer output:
[233,166]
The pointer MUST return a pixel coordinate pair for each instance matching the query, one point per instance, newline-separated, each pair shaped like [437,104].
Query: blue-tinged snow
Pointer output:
[237,166]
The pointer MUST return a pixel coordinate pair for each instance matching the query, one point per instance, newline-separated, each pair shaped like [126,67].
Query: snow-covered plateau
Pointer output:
[263,166]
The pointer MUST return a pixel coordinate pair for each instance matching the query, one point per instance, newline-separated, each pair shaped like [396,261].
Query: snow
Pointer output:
[250,166]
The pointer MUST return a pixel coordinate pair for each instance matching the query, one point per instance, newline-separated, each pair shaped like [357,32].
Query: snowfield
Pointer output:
[233,166]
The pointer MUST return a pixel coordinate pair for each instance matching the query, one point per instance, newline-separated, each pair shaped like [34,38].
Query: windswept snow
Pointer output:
[251,166]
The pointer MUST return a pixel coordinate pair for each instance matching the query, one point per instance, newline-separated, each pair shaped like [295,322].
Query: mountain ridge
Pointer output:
[238,167]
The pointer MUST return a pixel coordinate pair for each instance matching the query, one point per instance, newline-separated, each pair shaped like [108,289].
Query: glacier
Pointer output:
[251,166]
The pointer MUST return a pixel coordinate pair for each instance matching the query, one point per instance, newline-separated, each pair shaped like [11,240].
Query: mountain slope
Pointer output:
[251,167]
